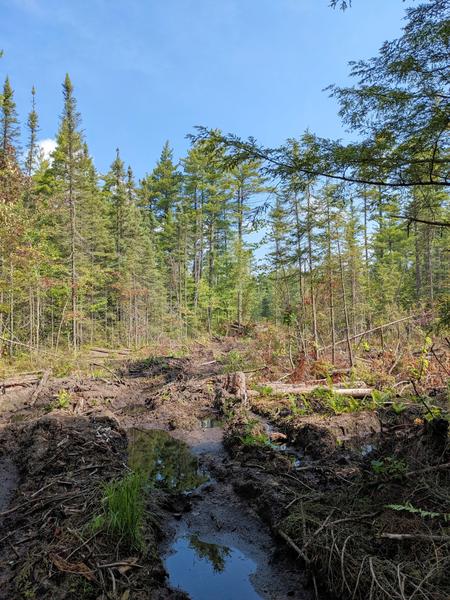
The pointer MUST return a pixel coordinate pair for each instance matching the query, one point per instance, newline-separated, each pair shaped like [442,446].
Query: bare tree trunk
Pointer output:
[11,308]
[301,289]
[330,288]
[429,261]
[417,262]
[73,261]
[344,301]
[367,319]
[240,203]
[311,275]
[38,317]
[210,270]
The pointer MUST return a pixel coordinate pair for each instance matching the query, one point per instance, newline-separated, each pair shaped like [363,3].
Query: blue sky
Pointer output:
[149,70]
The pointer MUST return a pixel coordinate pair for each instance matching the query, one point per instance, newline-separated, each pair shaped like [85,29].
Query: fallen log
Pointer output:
[19,382]
[124,351]
[285,388]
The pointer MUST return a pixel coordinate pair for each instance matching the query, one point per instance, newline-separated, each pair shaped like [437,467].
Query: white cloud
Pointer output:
[46,147]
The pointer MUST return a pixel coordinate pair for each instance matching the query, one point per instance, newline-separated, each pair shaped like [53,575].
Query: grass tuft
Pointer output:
[123,510]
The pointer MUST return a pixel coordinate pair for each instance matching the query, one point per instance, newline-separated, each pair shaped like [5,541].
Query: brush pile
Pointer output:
[54,546]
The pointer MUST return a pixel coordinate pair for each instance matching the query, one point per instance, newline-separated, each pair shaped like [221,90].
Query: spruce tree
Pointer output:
[68,171]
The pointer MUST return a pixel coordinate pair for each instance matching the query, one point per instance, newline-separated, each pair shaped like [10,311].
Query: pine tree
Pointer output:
[9,128]
[68,171]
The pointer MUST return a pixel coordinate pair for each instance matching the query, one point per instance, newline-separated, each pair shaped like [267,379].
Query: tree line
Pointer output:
[350,236]
[89,257]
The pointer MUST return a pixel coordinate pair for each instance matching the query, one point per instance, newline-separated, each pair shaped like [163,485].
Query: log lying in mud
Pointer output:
[23,381]
[285,388]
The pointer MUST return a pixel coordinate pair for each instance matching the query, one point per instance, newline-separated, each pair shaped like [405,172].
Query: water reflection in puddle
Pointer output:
[210,422]
[367,449]
[167,462]
[210,571]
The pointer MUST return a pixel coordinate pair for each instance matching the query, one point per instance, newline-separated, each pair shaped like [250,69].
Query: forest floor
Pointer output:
[256,490]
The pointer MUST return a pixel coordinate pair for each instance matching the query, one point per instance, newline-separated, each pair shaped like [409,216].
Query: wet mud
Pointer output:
[219,525]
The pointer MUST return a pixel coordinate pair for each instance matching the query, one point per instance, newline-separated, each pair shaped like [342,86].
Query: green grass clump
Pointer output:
[263,390]
[63,399]
[253,436]
[123,510]
[344,404]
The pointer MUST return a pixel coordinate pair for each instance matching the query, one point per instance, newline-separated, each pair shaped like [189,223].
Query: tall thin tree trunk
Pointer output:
[330,285]
[311,275]
[11,308]
[418,278]
[240,203]
[73,261]
[344,302]
[301,290]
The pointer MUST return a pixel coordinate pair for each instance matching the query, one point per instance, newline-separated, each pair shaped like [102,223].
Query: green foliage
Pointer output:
[408,507]
[344,404]
[234,361]
[419,371]
[398,407]
[108,260]
[263,390]
[337,403]
[433,412]
[380,397]
[62,400]
[322,393]
[122,515]
[443,321]
[252,436]
[389,466]
[304,409]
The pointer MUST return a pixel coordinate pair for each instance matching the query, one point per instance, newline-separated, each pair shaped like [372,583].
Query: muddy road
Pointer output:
[159,416]
[246,494]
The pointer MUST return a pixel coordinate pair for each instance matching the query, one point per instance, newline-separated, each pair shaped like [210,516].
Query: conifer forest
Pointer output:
[228,377]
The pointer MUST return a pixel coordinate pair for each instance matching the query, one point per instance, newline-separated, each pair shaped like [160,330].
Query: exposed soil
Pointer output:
[284,508]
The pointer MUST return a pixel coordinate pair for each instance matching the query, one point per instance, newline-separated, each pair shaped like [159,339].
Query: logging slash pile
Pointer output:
[362,497]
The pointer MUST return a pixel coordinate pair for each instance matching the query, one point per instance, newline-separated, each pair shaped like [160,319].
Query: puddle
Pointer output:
[367,449]
[210,422]
[207,571]
[168,462]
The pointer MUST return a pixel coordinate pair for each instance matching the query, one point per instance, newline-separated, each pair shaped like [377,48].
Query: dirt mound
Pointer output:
[364,523]
[319,436]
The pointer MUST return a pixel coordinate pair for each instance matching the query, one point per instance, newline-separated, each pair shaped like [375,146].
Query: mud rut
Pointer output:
[177,396]
[213,514]
[219,516]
